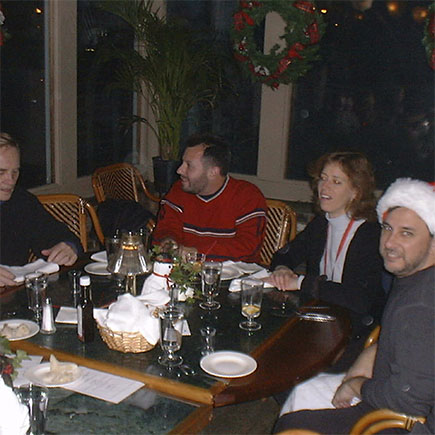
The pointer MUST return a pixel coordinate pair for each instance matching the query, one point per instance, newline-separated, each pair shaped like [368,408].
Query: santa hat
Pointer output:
[416,195]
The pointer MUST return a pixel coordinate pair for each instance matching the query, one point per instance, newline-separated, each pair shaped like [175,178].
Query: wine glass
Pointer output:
[170,337]
[210,279]
[196,259]
[251,297]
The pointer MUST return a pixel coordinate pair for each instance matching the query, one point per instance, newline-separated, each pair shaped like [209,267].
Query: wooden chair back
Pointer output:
[119,181]
[373,336]
[73,210]
[382,419]
[280,228]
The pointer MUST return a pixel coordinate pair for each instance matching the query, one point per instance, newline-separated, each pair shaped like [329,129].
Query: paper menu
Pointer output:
[104,386]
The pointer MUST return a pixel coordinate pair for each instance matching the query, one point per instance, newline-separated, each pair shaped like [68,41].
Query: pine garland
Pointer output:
[429,36]
[303,31]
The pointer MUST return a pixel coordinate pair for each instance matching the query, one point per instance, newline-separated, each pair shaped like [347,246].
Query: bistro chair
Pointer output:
[120,181]
[280,229]
[382,419]
[73,210]
[373,336]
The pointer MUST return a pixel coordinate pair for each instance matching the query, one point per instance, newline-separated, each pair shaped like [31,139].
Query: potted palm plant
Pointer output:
[171,67]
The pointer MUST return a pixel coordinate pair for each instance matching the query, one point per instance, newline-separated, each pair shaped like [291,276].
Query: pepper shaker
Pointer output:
[47,325]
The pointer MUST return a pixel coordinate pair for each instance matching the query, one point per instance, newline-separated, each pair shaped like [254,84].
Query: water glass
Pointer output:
[251,298]
[36,400]
[208,334]
[36,285]
[210,279]
[170,337]
[112,245]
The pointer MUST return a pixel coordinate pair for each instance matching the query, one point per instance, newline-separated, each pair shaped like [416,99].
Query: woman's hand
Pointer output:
[283,278]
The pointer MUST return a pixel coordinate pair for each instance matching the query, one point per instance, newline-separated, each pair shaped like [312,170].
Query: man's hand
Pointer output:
[6,277]
[62,254]
[347,391]
[283,278]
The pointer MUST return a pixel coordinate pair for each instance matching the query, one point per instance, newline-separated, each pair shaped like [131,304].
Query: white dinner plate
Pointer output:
[98,268]
[15,323]
[228,364]
[100,256]
[37,374]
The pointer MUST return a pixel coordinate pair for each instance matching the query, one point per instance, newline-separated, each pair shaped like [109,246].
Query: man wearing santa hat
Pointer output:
[398,372]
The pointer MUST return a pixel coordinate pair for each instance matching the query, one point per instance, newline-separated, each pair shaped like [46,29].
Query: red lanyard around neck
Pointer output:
[340,247]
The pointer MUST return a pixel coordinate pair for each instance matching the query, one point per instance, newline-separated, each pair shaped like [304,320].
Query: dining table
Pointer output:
[287,350]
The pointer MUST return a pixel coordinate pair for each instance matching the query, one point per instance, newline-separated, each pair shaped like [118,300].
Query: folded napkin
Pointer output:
[234,269]
[263,273]
[67,315]
[39,265]
[159,279]
[100,256]
[131,314]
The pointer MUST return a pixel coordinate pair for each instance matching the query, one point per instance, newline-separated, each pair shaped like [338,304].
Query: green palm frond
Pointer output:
[170,66]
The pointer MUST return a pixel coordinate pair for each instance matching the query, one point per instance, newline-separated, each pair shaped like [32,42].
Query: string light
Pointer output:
[419,14]
[38,11]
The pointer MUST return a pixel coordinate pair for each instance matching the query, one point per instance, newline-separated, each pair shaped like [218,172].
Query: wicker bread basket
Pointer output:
[126,342]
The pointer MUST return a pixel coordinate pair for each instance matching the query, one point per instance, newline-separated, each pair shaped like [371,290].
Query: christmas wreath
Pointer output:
[303,31]
[429,36]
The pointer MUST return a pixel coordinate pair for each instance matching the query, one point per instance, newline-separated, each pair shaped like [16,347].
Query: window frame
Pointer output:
[274,120]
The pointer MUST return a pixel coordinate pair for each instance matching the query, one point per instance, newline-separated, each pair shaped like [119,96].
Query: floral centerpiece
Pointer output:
[9,361]
[183,274]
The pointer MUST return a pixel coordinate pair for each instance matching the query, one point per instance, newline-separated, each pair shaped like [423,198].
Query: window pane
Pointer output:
[372,91]
[23,87]
[236,116]
[101,138]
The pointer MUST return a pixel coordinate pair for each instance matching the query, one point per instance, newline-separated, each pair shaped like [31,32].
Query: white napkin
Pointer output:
[233,269]
[67,315]
[100,256]
[159,279]
[39,265]
[235,283]
[14,416]
[130,314]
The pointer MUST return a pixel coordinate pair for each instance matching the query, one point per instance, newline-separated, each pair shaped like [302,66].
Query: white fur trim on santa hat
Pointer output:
[416,195]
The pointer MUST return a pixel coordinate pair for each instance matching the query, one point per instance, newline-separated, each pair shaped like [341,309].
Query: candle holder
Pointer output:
[129,260]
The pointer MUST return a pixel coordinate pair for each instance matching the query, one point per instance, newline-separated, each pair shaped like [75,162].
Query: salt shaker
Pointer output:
[47,325]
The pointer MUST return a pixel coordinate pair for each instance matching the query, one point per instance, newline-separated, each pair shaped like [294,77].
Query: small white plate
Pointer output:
[15,323]
[100,256]
[37,374]
[98,268]
[228,364]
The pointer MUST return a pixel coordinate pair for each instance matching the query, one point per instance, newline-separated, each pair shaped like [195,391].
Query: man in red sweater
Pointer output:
[210,212]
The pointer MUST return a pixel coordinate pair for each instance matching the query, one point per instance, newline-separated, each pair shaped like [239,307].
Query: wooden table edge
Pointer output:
[176,390]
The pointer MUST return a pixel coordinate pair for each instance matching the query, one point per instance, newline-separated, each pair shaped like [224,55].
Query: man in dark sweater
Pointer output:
[24,223]
[399,371]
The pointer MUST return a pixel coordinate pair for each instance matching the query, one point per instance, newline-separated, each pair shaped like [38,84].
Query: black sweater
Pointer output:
[25,225]
[361,288]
